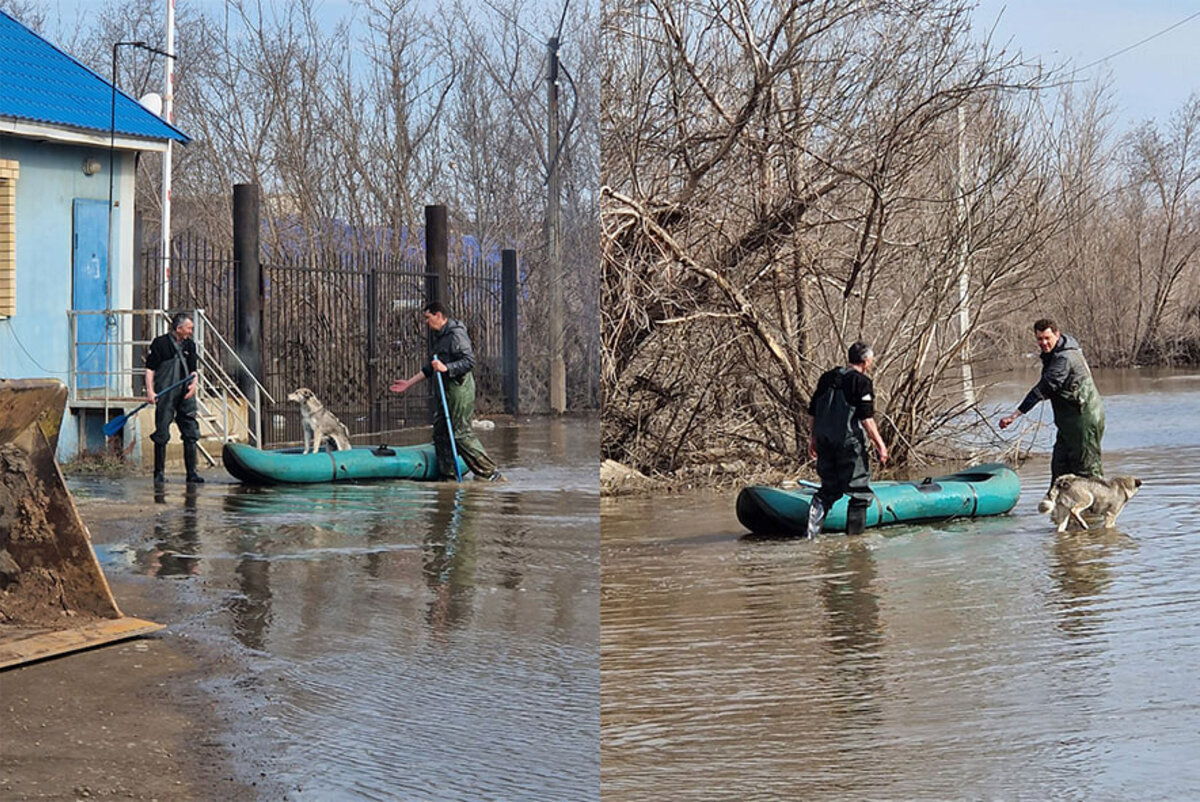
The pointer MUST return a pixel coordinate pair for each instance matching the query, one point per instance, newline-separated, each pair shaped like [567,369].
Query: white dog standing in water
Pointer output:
[1070,496]
[319,423]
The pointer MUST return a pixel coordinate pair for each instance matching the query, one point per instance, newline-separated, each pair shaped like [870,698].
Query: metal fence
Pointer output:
[202,277]
[325,328]
[475,296]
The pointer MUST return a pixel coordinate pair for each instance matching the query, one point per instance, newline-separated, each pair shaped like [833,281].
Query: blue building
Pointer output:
[66,255]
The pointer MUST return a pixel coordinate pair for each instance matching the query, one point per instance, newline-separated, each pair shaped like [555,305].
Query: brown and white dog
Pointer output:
[1070,496]
[319,423]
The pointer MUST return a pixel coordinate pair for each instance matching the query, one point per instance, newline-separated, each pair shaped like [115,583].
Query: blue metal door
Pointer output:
[89,291]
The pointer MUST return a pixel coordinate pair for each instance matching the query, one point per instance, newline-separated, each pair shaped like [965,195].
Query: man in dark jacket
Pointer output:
[1078,411]
[171,358]
[843,411]
[454,358]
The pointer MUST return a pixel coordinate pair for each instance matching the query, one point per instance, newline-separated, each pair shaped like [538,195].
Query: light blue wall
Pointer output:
[35,342]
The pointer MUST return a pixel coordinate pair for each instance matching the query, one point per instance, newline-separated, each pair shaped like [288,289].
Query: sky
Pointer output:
[1152,80]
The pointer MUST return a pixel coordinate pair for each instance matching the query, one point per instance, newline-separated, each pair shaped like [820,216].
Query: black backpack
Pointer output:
[833,423]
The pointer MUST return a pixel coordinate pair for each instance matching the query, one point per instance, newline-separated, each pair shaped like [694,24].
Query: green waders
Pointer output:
[460,398]
[1079,417]
[845,469]
[842,461]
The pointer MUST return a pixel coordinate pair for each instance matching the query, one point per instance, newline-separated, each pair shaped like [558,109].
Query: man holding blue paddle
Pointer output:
[451,365]
[171,365]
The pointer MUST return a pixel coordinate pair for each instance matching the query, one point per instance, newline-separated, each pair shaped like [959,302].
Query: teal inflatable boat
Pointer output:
[253,466]
[990,489]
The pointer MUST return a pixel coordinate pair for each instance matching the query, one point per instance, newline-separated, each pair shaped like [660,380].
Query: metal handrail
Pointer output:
[215,374]
[231,352]
[214,377]
[224,389]
[108,343]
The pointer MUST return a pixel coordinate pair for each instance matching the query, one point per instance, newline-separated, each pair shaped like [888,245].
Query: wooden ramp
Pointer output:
[26,644]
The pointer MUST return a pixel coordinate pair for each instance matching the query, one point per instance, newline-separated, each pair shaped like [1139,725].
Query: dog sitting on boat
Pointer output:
[1070,496]
[319,423]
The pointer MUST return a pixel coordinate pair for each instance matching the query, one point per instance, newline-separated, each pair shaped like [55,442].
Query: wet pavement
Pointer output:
[393,639]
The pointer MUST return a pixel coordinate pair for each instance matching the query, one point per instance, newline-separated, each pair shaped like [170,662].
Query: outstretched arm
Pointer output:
[1054,377]
[400,385]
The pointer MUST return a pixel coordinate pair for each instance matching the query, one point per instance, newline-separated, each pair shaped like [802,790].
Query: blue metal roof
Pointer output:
[40,83]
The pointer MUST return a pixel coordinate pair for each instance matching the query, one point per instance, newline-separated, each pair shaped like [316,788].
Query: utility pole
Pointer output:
[964,246]
[558,369]
[169,116]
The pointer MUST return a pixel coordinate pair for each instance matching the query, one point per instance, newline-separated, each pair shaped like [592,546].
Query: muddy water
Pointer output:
[398,640]
[988,659]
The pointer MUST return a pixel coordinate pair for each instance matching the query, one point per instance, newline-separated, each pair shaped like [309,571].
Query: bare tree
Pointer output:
[387,114]
[1124,268]
[1081,260]
[29,13]
[499,159]
[1161,206]
[776,183]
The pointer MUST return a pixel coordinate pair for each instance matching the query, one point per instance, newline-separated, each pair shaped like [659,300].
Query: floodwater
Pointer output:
[400,640]
[985,659]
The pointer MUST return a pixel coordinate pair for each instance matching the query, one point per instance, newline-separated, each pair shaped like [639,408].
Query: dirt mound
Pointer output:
[39,585]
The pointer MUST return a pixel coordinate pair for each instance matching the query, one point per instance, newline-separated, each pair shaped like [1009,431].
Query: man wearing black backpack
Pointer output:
[843,412]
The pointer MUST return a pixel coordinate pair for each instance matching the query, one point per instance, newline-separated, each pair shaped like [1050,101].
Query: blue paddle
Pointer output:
[449,426]
[118,423]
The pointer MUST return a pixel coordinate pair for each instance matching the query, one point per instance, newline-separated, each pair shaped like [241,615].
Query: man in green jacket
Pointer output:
[454,358]
[1078,411]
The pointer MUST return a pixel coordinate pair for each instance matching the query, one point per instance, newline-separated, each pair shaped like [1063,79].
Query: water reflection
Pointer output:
[1082,571]
[852,608]
[176,541]
[364,523]
[511,546]
[251,609]
[449,564]
[352,507]
[852,617]
[558,439]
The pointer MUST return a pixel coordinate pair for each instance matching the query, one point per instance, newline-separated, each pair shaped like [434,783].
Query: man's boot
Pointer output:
[160,459]
[856,520]
[189,463]
[816,517]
